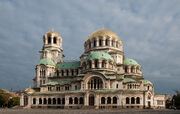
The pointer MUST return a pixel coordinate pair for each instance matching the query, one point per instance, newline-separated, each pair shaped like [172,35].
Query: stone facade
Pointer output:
[103,78]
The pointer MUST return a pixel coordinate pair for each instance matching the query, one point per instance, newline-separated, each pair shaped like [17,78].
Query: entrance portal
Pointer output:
[91,100]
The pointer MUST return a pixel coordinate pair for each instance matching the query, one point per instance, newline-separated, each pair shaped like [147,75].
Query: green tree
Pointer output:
[176,100]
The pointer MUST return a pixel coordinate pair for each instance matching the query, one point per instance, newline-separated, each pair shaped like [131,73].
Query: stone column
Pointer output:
[97,42]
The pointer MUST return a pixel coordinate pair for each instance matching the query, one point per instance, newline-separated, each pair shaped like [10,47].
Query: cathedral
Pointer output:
[102,78]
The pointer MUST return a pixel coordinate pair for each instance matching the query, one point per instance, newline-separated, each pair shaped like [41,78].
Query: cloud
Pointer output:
[148,29]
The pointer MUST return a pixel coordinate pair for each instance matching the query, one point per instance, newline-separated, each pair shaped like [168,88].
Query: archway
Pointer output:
[91,100]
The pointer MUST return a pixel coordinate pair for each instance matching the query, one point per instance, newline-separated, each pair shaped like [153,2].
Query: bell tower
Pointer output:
[52,47]
[50,55]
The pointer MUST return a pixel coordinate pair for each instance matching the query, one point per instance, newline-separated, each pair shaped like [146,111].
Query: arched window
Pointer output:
[94,42]
[54,40]
[81,100]
[89,44]
[117,44]
[100,42]
[127,100]
[103,63]
[45,101]
[72,72]
[126,69]
[132,69]
[95,83]
[62,72]
[54,101]
[58,101]
[40,101]
[49,40]
[63,100]
[137,100]
[109,100]
[96,63]
[149,96]
[34,100]
[114,100]
[67,72]
[90,64]
[107,42]
[75,100]
[70,100]
[132,100]
[57,73]
[102,100]
[49,100]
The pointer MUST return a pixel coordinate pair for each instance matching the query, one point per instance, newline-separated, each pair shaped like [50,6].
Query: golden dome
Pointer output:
[52,32]
[29,90]
[103,33]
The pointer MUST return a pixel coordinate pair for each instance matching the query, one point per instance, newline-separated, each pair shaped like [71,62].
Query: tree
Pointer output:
[176,99]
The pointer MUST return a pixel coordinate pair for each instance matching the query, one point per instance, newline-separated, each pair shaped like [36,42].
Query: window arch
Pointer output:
[40,101]
[126,69]
[90,64]
[102,100]
[58,101]
[34,100]
[49,40]
[127,100]
[54,40]
[96,63]
[100,42]
[114,100]
[45,101]
[103,63]
[132,100]
[94,42]
[72,72]
[70,100]
[54,101]
[107,42]
[67,72]
[49,100]
[95,83]
[137,100]
[62,72]
[75,100]
[109,100]
[63,100]
[81,100]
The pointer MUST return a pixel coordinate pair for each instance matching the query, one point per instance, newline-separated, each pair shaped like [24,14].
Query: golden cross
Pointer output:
[103,27]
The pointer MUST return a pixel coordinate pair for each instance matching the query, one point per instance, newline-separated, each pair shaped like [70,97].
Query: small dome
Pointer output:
[46,62]
[53,32]
[99,55]
[128,80]
[103,33]
[146,82]
[29,90]
[128,61]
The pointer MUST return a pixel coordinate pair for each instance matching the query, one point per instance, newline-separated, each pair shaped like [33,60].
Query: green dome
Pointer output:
[147,82]
[69,65]
[127,80]
[99,55]
[128,61]
[46,62]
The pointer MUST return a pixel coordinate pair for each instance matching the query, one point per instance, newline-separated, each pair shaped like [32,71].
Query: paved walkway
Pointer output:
[59,111]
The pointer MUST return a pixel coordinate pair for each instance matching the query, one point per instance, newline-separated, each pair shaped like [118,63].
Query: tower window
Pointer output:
[49,40]
[55,40]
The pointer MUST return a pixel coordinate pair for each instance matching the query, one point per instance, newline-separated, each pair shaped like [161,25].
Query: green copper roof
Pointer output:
[126,80]
[147,82]
[99,55]
[128,61]
[46,62]
[62,82]
[69,65]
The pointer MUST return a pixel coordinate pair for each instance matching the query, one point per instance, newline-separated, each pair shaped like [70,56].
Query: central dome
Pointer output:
[103,33]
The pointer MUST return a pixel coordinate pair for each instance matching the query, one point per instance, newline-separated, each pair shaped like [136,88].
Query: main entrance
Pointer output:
[91,100]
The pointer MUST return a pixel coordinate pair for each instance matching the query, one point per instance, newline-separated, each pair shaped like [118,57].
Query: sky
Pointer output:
[149,29]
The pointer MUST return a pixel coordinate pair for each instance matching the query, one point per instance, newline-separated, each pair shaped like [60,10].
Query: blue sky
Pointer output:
[150,31]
